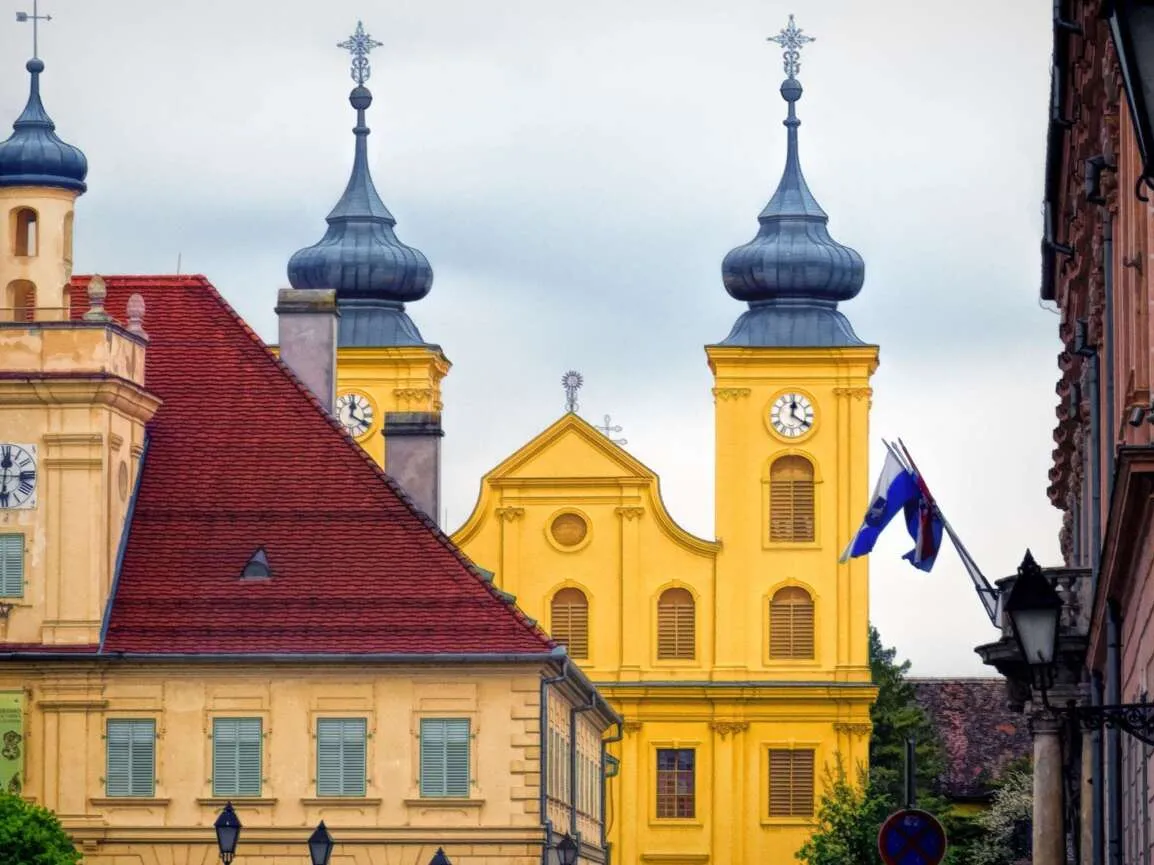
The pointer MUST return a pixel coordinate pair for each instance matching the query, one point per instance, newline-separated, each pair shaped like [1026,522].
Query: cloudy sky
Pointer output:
[575,172]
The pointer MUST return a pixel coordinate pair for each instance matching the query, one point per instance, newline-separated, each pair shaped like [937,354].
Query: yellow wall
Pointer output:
[731,703]
[51,268]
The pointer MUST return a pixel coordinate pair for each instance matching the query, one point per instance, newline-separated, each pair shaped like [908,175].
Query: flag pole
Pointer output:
[987,594]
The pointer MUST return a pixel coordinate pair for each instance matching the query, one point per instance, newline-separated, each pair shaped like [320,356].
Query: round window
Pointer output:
[569,530]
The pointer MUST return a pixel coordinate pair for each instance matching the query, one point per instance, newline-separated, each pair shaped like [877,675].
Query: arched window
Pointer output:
[26,239]
[569,621]
[676,626]
[791,623]
[21,300]
[791,500]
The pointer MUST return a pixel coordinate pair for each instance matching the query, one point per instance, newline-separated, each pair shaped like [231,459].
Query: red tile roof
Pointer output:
[242,456]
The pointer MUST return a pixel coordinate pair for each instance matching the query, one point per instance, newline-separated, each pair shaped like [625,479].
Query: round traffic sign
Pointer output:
[912,837]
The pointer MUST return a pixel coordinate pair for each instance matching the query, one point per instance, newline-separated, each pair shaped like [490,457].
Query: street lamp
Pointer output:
[1132,28]
[320,845]
[1034,610]
[227,827]
[567,850]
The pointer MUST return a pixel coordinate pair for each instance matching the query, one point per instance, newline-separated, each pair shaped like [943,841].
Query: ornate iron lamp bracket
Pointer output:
[1136,719]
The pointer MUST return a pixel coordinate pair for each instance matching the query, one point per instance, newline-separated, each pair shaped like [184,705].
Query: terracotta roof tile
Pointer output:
[242,456]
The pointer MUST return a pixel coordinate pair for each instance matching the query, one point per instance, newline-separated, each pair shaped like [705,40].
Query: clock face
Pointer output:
[355,413]
[792,415]
[17,476]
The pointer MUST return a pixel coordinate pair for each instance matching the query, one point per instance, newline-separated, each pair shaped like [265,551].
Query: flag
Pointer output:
[895,488]
[925,527]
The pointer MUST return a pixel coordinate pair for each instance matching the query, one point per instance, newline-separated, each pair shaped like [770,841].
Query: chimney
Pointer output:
[413,456]
[307,319]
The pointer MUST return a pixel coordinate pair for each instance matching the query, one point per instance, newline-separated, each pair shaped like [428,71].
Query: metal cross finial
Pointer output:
[572,382]
[608,428]
[359,45]
[791,39]
[35,18]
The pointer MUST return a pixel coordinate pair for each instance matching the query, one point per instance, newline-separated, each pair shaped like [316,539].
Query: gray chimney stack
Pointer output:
[307,320]
[413,457]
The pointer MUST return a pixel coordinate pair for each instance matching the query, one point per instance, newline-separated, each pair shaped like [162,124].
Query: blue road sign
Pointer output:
[912,837]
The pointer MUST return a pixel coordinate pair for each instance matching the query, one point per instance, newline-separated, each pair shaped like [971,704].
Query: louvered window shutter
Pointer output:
[236,756]
[791,501]
[341,756]
[790,783]
[569,614]
[791,624]
[130,757]
[445,757]
[676,626]
[12,566]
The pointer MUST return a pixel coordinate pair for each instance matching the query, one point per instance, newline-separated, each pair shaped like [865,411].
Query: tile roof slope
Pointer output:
[980,733]
[242,456]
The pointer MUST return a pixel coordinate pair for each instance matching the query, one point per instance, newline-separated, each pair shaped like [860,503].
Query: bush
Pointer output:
[31,835]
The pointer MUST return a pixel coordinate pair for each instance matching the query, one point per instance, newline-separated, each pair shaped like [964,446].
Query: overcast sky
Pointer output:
[575,172]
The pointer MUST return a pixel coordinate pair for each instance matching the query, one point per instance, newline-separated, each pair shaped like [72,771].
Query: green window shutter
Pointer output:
[236,756]
[131,757]
[12,566]
[445,757]
[341,756]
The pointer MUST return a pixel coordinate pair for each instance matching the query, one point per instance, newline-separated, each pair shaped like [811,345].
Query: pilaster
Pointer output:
[634,642]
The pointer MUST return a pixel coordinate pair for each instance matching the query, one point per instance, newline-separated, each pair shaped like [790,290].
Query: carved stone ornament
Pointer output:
[858,393]
[726,393]
[631,727]
[853,729]
[509,514]
[630,512]
[724,728]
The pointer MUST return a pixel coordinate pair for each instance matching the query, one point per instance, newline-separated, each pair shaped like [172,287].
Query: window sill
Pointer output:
[444,802]
[130,801]
[247,801]
[675,822]
[767,544]
[799,822]
[341,800]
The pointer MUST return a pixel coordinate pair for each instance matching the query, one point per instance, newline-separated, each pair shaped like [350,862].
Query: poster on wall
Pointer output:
[11,741]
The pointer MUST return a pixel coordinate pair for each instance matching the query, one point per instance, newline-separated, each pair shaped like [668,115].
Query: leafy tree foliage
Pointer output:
[1005,837]
[31,835]
[848,819]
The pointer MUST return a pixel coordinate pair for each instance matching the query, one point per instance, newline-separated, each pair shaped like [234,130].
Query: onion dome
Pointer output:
[360,256]
[792,274]
[34,155]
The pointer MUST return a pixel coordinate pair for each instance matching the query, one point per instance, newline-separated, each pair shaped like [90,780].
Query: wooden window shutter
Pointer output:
[676,626]
[236,756]
[791,500]
[791,624]
[569,618]
[341,756]
[445,757]
[790,783]
[130,757]
[12,566]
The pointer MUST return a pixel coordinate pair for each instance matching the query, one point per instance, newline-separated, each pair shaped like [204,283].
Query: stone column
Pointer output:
[1049,828]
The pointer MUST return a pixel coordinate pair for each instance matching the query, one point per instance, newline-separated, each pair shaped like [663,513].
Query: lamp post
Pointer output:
[567,850]
[439,858]
[320,845]
[227,827]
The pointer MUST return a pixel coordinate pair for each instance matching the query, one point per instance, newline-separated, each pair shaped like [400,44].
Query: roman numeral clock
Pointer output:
[17,476]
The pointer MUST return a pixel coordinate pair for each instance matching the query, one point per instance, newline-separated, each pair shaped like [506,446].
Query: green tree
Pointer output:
[848,820]
[1005,837]
[31,835]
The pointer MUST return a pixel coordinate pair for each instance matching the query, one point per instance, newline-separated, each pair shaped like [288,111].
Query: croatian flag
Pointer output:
[925,527]
[896,488]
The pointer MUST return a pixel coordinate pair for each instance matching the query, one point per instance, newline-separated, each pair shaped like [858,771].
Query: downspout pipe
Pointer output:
[1084,349]
[604,750]
[1097,772]
[1113,736]
[1108,348]
[546,682]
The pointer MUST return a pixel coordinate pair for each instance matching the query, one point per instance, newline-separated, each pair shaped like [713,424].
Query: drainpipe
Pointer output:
[573,713]
[1113,738]
[1084,349]
[1108,348]
[1097,772]
[544,714]
[604,827]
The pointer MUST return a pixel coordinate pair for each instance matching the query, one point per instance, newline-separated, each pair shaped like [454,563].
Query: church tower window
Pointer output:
[791,500]
[21,300]
[569,621]
[11,566]
[676,626]
[791,624]
[26,237]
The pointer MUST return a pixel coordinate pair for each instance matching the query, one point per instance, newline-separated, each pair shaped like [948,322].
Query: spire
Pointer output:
[34,155]
[360,256]
[792,274]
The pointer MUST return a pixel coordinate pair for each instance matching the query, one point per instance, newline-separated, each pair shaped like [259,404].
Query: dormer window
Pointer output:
[257,568]
[26,238]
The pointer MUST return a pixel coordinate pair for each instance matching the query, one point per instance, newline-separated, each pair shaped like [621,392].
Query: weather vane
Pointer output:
[359,45]
[572,382]
[608,428]
[792,39]
[35,18]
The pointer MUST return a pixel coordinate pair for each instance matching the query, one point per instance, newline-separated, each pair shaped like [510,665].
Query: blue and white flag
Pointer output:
[895,488]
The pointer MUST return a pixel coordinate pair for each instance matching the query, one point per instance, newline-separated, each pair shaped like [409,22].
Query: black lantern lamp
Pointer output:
[567,851]
[227,827]
[1132,28]
[1034,610]
[439,858]
[320,845]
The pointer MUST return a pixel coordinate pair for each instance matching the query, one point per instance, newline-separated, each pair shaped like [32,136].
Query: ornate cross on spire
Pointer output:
[792,39]
[608,429]
[359,45]
[572,382]
[35,18]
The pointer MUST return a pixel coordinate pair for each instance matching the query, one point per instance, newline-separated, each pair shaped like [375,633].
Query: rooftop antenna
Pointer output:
[178,264]
[35,18]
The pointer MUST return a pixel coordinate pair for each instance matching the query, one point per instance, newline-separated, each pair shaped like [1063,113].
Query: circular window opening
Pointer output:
[569,530]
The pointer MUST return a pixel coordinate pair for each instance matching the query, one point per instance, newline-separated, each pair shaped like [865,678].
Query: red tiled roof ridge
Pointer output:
[201,281]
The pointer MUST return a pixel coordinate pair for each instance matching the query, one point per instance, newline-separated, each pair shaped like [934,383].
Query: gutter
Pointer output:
[544,714]
[122,548]
[604,826]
